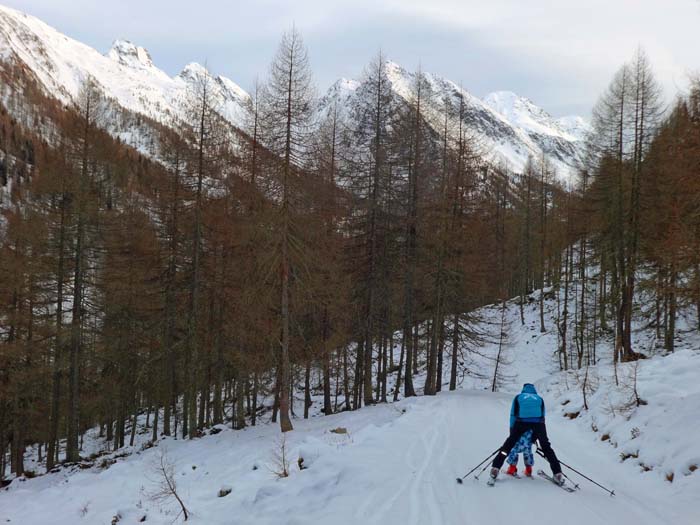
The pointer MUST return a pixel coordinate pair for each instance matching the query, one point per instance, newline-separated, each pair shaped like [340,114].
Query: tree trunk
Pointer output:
[455,352]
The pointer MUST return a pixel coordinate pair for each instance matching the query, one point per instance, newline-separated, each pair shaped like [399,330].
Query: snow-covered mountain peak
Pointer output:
[401,80]
[509,126]
[394,68]
[193,70]
[346,84]
[341,89]
[130,55]
[126,73]
[231,98]
[229,89]
[505,101]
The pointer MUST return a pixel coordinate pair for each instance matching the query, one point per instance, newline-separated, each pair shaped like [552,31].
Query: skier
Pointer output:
[524,446]
[527,413]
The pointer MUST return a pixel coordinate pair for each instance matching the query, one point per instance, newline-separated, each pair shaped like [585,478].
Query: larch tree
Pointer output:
[89,112]
[288,108]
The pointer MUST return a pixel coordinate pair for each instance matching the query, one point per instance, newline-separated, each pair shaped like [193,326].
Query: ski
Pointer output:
[492,481]
[546,476]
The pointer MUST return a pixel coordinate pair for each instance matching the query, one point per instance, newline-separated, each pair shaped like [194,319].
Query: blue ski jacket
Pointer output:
[527,406]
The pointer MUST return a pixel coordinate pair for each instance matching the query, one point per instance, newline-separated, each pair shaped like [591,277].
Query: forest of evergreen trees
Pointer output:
[296,255]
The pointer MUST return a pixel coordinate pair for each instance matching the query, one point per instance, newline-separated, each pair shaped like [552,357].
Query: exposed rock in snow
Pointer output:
[130,55]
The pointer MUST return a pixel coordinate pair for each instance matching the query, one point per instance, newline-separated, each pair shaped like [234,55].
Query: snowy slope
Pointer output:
[534,120]
[508,127]
[575,126]
[656,440]
[126,73]
[397,463]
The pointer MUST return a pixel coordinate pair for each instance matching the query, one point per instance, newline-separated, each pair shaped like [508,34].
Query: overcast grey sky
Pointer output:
[559,53]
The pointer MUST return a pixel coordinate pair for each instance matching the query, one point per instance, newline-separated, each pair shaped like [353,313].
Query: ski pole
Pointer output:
[611,492]
[459,480]
[482,470]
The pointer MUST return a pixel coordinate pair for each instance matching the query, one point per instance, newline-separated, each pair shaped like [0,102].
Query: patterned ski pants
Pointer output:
[523,445]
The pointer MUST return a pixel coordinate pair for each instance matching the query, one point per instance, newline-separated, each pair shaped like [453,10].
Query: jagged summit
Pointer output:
[129,54]
[193,70]
[126,73]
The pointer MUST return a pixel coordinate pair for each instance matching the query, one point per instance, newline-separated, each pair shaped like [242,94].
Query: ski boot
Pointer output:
[512,470]
[493,474]
[559,479]
[528,471]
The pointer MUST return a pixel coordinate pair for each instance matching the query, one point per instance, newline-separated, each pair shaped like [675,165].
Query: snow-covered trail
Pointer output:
[409,474]
[397,465]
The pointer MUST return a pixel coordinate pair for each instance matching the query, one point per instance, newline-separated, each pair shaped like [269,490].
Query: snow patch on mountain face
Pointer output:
[576,126]
[521,112]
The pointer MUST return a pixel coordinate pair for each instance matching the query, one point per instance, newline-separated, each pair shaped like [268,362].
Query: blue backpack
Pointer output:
[527,406]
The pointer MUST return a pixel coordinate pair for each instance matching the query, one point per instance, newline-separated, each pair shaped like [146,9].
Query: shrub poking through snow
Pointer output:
[280,463]
[165,487]
[625,457]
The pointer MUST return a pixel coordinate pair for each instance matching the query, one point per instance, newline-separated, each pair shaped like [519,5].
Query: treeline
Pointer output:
[300,254]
